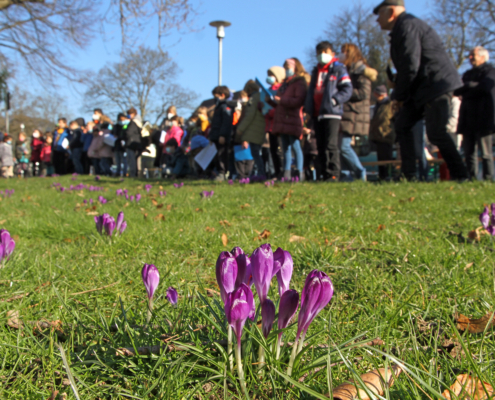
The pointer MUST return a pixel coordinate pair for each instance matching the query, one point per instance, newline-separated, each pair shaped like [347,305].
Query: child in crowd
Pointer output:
[36,147]
[175,132]
[60,153]
[22,155]
[203,117]
[178,165]
[76,146]
[221,130]
[100,152]
[6,157]
[46,155]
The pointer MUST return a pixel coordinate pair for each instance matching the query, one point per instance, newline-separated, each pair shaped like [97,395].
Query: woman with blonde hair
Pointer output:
[167,121]
[288,121]
[356,118]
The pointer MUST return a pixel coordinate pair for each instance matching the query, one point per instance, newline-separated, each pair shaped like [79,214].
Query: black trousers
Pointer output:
[244,168]
[472,143]
[436,114]
[59,159]
[221,160]
[384,152]
[328,144]
[276,154]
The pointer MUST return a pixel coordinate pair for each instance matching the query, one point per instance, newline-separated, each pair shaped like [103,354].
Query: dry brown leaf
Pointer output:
[160,217]
[225,223]
[208,229]
[295,238]
[467,387]
[3,221]
[245,206]
[376,382]
[263,235]
[158,206]
[212,293]
[126,205]
[199,210]
[92,213]
[380,228]
[54,395]
[282,206]
[145,215]
[392,194]
[468,266]
[225,240]
[155,203]
[169,207]
[475,325]
[291,226]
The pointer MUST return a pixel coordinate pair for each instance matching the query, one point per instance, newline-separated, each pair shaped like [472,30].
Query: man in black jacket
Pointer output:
[477,113]
[133,146]
[424,83]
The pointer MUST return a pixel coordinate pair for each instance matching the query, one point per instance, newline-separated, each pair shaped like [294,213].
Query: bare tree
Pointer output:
[42,32]
[456,22]
[143,79]
[357,25]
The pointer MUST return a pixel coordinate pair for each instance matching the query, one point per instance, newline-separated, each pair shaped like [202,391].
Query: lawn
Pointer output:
[399,256]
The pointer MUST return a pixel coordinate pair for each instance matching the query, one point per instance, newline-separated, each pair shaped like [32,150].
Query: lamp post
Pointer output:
[220,25]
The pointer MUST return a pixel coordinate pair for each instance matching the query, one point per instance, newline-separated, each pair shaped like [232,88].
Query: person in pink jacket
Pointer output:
[175,132]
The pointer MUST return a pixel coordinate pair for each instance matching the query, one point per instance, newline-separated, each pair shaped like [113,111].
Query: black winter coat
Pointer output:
[221,123]
[477,113]
[75,142]
[424,70]
[133,134]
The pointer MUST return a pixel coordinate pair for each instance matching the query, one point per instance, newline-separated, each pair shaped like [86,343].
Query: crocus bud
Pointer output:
[238,308]
[172,295]
[237,251]
[138,197]
[99,223]
[287,308]
[485,218]
[317,293]
[262,267]
[244,272]
[493,214]
[7,244]
[151,279]
[123,227]
[283,266]
[226,273]
[109,225]
[120,221]
[267,317]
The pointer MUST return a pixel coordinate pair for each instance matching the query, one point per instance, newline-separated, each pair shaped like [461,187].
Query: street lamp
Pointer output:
[220,25]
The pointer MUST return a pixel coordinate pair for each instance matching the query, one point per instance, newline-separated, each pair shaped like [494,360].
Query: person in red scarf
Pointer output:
[329,89]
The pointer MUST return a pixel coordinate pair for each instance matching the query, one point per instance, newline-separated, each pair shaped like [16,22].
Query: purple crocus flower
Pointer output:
[172,295]
[237,251]
[121,224]
[91,201]
[244,271]
[138,198]
[109,226]
[231,182]
[485,218]
[119,192]
[151,279]
[132,198]
[487,221]
[226,273]
[262,267]
[125,191]
[7,245]
[287,308]
[267,316]
[85,201]
[238,308]
[126,196]
[317,293]
[283,266]
[97,178]
[147,188]
[162,193]
[492,207]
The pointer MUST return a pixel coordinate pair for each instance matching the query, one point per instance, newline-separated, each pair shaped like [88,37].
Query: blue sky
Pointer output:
[263,33]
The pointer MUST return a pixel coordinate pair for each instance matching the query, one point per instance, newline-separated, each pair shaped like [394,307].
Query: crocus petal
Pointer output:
[226,273]
[485,218]
[493,214]
[172,295]
[244,272]
[109,226]
[262,267]
[491,230]
[326,293]
[287,308]
[151,279]
[123,227]
[99,224]
[284,273]
[267,317]
[309,302]
[120,220]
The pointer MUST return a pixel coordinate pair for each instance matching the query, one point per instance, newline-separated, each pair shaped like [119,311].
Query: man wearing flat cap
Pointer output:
[424,83]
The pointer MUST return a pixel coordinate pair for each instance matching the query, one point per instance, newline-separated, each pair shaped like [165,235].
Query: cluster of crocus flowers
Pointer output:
[7,193]
[293,179]
[102,200]
[162,193]
[236,272]
[178,185]
[487,220]
[7,245]
[206,194]
[119,192]
[136,198]
[148,187]
[245,181]
[106,224]
[269,183]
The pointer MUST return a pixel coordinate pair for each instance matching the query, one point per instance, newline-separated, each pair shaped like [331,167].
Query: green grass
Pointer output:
[394,261]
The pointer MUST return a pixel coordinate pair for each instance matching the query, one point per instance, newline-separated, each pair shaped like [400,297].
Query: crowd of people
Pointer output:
[302,125]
